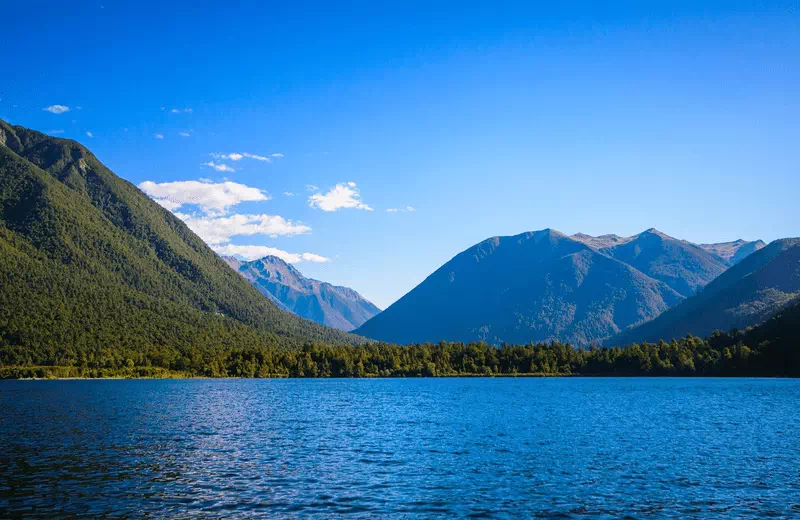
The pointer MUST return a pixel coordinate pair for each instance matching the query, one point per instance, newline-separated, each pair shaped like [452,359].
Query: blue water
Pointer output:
[419,448]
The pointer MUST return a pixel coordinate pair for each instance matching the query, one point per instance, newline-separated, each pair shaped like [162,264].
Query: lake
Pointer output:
[415,448]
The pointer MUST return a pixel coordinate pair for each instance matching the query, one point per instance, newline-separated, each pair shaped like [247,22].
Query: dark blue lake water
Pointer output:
[479,448]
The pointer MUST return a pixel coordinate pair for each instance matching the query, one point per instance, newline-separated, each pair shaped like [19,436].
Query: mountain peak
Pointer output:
[601,241]
[548,234]
[733,252]
[327,304]
[536,286]
[654,232]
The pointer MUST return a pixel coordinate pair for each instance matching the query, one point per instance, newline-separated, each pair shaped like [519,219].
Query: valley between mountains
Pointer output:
[99,279]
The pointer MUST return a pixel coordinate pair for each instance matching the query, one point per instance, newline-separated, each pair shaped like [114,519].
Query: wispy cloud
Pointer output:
[277,155]
[343,195]
[407,209]
[184,134]
[218,230]
[158,136]
[257,157]
[55,132]
[89,134]
[212,198]
[220,167]
[56,109]
[288,194]
[227,156]
[238,156]
[178,110]
[256,252]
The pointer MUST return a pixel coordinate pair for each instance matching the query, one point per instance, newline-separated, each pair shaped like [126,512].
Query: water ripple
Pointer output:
[465,448]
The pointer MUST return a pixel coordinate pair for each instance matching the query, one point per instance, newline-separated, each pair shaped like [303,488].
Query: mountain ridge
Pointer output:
[535,286]
[335,306]
[82,245]
[682,265]
[746,294]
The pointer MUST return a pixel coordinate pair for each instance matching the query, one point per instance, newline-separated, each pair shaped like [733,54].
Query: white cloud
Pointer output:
[256,252]
[89,134]
[343,195]
[288,194]
[179,110]
[158,136]
[56,109]
[220,229]
[277,155]
[235,156]
[257,157]
[184,134]
[55,132]
[407,209]
[220,167]
[311,187]
[212,198]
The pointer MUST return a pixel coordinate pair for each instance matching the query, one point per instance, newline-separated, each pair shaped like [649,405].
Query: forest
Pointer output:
[767,350]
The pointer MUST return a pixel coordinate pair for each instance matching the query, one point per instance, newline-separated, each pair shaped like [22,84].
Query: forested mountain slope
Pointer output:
[744,295]
[537,286]
[88,262]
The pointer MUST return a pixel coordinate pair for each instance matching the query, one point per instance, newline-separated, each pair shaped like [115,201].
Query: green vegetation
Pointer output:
[768,350]
[745,295]
[88,260]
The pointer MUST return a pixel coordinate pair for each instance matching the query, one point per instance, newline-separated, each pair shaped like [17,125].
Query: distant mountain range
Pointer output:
[536,286]
[338,307]
[734,252]
[89,263]
[544,285]
[744,295]
[684,266]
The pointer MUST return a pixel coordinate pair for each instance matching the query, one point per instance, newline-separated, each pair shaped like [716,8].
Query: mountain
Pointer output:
[684,266]
[90,264]
[734,252]
[536,286]
[338,307]
[744,295]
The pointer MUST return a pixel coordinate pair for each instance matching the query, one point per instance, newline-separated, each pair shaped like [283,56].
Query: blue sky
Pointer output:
[486,119]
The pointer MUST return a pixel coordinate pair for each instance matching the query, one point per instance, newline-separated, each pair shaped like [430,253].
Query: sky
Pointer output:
[370,142]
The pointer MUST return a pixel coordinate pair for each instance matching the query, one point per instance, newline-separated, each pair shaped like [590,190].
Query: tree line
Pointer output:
[721,354]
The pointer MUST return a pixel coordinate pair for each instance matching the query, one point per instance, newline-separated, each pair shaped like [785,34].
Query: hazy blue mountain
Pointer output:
[734,252]
[331,305]
[684,266]
[535,286]
[744,295]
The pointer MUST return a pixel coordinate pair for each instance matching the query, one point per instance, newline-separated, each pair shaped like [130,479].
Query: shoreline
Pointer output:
[449,376]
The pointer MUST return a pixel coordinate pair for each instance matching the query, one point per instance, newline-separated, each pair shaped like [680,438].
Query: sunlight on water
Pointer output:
[480,448]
